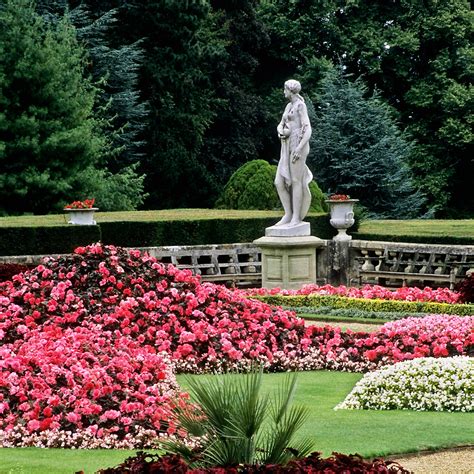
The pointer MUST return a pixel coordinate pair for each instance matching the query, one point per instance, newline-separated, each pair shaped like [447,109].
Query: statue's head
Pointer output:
[293,86]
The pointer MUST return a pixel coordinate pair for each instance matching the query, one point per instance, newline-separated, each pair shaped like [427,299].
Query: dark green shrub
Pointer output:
[419,239]
[46,240]
[251,187]
[29,240]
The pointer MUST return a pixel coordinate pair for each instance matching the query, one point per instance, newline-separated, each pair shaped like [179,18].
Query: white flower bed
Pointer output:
[436,384]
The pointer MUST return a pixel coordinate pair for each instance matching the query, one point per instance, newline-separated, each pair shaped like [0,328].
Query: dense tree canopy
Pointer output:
[186,92]
[358,150]
[47,130]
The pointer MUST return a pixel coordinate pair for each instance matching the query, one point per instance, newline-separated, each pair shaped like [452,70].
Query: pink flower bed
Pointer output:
[89,344]
[82,339]
[405,339]
[439,295]
[73,386]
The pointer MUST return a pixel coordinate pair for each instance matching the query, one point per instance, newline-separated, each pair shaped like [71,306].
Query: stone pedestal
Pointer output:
[288,262]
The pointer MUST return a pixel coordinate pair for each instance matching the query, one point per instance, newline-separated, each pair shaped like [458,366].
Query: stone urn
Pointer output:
[81,216]
[342,217]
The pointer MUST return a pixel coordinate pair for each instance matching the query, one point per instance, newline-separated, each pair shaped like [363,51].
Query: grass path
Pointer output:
[370,433]
[367,325]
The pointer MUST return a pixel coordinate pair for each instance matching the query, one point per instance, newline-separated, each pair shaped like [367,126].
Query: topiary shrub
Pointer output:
[251,187]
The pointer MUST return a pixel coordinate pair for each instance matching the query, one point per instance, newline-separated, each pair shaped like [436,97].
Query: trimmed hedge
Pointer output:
[47,239]
[342,302]
[199,232]
[416,239]
[63,239]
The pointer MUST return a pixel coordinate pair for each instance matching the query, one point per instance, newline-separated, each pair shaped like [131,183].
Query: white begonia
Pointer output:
[435,384]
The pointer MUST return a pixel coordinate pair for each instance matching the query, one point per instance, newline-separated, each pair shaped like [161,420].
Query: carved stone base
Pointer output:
[288,262]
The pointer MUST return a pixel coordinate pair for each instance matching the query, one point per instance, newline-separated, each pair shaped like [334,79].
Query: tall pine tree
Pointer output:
[357,149]
[48,133]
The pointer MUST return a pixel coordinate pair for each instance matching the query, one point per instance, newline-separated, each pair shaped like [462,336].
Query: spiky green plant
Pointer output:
[233,423]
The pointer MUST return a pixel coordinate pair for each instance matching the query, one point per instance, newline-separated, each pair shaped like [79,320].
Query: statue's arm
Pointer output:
[281,125]
[305,124]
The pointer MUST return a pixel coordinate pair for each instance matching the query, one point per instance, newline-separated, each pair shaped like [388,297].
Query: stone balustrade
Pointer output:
[354,262]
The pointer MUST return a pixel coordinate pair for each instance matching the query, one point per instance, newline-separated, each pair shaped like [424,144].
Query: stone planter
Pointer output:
[81,216]
[342,217]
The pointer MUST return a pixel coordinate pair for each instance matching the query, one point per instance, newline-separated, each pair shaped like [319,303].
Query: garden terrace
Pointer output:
[356,262]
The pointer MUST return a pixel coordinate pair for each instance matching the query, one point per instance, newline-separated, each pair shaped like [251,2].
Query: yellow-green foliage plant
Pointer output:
[342,302]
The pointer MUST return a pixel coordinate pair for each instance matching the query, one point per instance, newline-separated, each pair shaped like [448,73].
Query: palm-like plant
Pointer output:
[234,424]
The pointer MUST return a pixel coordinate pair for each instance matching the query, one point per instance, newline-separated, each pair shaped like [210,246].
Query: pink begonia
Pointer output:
[439,295]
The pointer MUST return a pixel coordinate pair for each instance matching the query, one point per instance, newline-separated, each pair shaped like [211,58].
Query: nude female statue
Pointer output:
[293,176]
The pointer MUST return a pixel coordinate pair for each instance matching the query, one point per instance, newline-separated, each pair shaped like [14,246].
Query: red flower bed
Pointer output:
[81,340]
[337,463]
[201,326]
[405,293]
[405,339]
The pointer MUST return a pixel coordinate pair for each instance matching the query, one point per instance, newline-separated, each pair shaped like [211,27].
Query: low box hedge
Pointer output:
[198,232]
[50,239]
[375,305]
[46,240]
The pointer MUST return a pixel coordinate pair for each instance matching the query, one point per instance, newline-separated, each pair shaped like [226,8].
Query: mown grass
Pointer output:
[422,227]
[369,433]
[159,215]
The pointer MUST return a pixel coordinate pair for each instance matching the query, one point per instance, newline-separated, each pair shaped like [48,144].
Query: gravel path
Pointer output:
[451,461]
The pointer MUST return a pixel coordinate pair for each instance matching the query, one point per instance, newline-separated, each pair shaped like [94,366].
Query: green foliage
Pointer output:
[179,43]
[421,58]
[341,302]
[358,150]
[122,191]
[46,240]
[445,239]
[198,232]
[50,237]
[359,315]
[233,137]
[252,187]
[429,231]
[47,129]
[235,424]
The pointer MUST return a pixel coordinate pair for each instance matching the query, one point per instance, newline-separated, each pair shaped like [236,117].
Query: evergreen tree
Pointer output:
[114,68]
[116,65]
[358,150]
[231,140]
[180,43]
[417,54]
[420,55]
[48,133]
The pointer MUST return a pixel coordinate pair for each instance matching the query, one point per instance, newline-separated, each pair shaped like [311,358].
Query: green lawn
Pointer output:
[369,433]
[161,215]
[354,324]
[421,227]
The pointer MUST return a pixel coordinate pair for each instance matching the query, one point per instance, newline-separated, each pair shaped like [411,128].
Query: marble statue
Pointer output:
[293,176]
